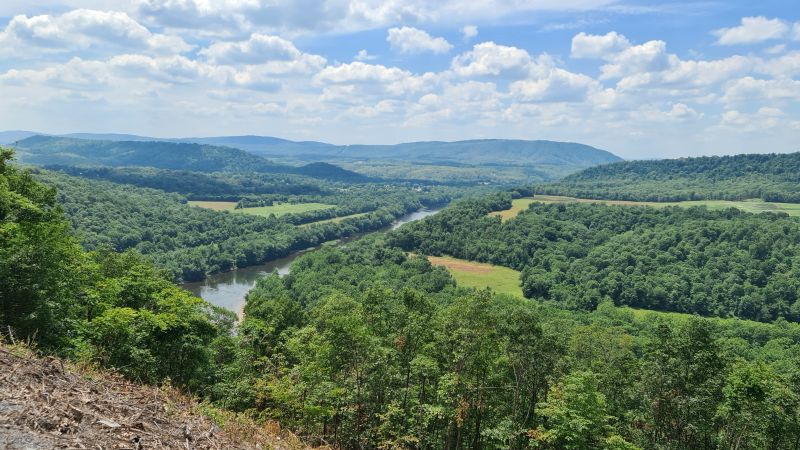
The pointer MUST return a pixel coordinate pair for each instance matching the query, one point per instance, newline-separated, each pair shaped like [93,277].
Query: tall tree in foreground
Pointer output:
[41,264]
[112,309]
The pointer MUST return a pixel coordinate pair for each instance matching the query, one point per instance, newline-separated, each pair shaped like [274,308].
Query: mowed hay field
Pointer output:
[478,275]
[751,205]
[216,206]
[280,209]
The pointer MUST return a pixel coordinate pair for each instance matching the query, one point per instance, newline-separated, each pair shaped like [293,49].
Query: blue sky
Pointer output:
[641,79]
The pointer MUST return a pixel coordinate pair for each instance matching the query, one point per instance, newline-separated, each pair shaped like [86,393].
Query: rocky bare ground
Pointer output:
[48,404]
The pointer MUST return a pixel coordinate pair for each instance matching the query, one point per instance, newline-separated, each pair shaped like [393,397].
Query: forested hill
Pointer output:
[772,177]
[471,152]
[51,150]
[690,260]
[490,151]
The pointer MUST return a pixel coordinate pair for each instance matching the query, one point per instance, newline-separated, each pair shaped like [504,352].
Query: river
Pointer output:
[228,289]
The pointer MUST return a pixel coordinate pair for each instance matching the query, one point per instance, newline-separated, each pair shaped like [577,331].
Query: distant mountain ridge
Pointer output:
[506,152]
[52,150]
[12,136]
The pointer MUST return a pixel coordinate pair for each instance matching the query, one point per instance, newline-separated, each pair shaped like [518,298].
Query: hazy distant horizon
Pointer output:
[630,158]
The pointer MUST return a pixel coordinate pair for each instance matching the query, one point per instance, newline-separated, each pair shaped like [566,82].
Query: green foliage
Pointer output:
[361,346]
[199,185]
[41,265]
[112,309]
[759,409]
[722,263]
[683,373]
[576,418]
[149,329]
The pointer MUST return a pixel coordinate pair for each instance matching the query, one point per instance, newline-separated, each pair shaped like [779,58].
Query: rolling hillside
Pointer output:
[771,177]
[471,152]
[489,151]
[10,137]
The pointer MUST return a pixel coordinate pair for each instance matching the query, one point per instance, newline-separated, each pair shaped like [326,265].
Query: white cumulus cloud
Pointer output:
[600,47]
[753,90]
[363,55]
[314,16]
[258,49]
[559,86]
[469,32]
[86,29]
[174,69]
[490,59]
[648,57]
[413,40]
[752,30]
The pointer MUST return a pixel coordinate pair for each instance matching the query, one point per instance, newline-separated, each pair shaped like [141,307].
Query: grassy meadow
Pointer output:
[478,275]
[517,206]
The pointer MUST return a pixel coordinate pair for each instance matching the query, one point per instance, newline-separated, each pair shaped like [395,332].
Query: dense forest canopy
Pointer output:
[771,177]
[200,185]
[723,263]
[363,346]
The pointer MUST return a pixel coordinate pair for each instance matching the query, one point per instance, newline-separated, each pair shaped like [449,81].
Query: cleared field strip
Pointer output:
[216,206]
[337,219]
[751,205]
[478,275]
[280,209]
[517,206]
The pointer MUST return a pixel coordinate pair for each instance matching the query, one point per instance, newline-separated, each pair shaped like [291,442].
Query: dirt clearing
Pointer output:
[45,404]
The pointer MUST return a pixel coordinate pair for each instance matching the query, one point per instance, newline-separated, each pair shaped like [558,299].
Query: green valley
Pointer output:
[495,322]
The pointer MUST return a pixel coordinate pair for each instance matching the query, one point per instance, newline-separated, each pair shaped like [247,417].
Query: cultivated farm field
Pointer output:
[479,275]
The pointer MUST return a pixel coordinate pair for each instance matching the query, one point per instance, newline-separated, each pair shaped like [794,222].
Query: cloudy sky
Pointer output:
[641,79]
